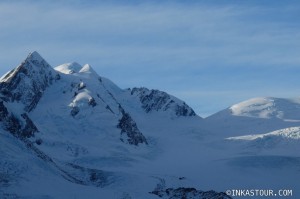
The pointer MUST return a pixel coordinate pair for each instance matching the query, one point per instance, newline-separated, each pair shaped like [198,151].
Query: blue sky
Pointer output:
[211,54]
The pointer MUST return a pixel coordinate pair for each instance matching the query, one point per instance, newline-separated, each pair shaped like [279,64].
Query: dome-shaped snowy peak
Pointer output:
[267,107]
[69,68]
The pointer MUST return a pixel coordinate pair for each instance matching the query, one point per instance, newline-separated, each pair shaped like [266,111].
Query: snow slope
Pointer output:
[279,142]
[87,138]
[292,133]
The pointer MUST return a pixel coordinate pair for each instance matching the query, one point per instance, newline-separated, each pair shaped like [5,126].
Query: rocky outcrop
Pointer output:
[191,193]
[29,128]
[129,130]
[155,100]
[74,111]
[22,126]
[3,111]
[162,191]
[92,102]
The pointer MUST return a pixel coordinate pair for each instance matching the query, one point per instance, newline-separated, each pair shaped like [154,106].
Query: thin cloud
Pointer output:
[187,33]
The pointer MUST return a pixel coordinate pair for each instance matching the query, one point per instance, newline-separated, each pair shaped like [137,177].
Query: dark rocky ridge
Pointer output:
[155,100]
[129,128]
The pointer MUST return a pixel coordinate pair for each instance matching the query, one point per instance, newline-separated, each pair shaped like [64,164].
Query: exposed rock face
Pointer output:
[155,100]
[29,128]
[3,111]
[129,130]
[75,110]
[12,125]
[22,127]
[92,102]
[28,81]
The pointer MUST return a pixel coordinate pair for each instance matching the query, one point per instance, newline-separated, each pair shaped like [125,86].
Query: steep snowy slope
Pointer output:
[257,115]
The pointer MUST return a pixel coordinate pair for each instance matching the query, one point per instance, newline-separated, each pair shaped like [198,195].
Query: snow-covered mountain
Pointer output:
[257,115]
[268,107]
[67,132]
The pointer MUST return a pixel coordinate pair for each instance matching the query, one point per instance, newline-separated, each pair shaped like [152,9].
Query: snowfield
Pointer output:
[67,132]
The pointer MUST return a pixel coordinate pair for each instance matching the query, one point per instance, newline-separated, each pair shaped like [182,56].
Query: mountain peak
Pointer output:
[26,82]
[34,56]
[88,70]
[34,61]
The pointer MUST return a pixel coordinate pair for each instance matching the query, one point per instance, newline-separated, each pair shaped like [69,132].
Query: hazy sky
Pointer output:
[211,54]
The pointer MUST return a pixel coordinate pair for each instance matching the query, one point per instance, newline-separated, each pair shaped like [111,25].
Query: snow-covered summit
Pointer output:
[69,68]
[76,69]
